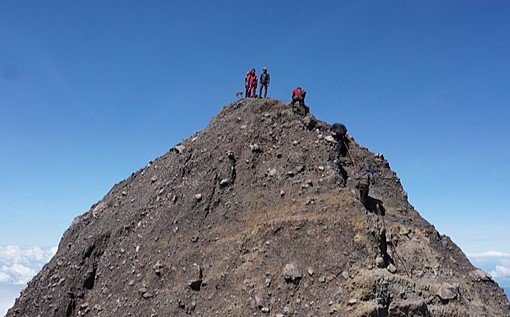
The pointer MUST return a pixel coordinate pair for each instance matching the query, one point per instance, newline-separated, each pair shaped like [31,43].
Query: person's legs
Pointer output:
[363,194]
[265,91]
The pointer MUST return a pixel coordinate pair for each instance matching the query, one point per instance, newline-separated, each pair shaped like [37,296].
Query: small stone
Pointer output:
[322,279]
[198,197]
[179,148]
[392,269]
[255,148]
[282,193]
[224,182]
[330,138]
[345,274]
[480,275]
[265,310]
[124,193]
[196,282]
[272,172]
[291,273]
[352,301]
[310,271]
[321,168]
[379,262]
[147,295]
[448,291]
[154,179]
[157,268]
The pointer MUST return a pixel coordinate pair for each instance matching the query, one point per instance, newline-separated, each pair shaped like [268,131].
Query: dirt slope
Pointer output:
[257,215]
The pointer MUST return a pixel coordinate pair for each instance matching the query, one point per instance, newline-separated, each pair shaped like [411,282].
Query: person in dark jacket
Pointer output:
[264,82]
[339,130]
[364,182]
[246,86]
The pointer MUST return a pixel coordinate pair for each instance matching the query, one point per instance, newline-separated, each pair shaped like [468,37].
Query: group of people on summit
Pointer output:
[251,82]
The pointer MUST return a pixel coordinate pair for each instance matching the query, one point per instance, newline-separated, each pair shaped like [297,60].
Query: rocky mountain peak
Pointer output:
[258,215]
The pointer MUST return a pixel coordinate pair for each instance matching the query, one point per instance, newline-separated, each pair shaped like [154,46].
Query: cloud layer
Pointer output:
[19,264]
[496,263]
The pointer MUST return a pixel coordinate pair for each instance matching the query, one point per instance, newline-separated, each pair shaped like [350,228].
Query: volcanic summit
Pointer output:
[258,215]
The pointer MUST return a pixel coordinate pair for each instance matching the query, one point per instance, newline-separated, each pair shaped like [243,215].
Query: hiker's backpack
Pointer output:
[339,129]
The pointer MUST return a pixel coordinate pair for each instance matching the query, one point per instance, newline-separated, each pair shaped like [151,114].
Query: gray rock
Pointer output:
[392,269]
[379,262]
[179,148]
[255,148]
[198,197]
[480,275]
[291,273]
[330,138]
[157,268]
[197,277]
[448,291]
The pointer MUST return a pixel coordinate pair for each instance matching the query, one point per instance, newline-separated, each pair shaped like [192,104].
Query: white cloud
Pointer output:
[497,263]
[19,264]
[501,272]
[489,254]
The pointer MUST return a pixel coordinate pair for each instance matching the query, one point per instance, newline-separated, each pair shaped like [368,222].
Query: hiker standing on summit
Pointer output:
[251,80]
[246,85]
[264,82]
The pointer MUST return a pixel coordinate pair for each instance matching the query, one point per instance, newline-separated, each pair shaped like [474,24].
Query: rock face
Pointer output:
[258,215]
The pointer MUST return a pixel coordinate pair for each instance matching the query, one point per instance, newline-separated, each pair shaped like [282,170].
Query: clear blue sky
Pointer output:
[90,91]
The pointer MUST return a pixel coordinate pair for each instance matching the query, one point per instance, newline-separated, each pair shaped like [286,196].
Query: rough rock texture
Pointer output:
[258,215]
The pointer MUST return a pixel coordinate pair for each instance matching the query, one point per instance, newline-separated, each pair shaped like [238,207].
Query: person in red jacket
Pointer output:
[298,94]
[252,84]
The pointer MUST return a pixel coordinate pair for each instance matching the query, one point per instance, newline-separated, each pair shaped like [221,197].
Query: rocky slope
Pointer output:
[257,215]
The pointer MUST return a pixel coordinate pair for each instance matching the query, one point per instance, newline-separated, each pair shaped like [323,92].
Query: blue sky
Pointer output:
[90,91]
